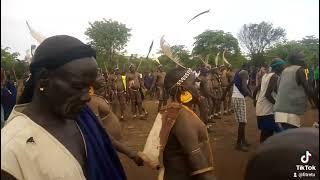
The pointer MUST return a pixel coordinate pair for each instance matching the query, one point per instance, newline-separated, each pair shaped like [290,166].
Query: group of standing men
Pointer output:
[212,84]
[130,87]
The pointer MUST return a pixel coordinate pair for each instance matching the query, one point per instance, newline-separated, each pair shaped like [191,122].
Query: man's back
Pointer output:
[176,155]
[291,97]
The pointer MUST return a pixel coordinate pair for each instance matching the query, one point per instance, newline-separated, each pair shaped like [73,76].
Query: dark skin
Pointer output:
[244,77]
[118,86]
[159,82]
[66,92]
[102,107]
[190,132]
[137,83]
[204,89]
[272,87]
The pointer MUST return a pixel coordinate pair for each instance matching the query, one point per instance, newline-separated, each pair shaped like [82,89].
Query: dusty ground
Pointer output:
[229,163]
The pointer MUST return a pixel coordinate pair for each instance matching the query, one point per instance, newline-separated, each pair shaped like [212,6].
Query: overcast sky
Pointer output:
[150,19]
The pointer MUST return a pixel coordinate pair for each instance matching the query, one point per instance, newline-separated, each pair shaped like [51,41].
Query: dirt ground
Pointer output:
[229,163]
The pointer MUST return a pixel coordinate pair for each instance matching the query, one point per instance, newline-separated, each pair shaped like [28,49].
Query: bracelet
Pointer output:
[202,171]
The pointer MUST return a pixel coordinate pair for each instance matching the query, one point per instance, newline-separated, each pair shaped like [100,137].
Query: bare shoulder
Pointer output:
[188,121]
[244,74]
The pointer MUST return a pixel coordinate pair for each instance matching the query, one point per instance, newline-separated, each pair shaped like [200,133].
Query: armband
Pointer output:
[200,171]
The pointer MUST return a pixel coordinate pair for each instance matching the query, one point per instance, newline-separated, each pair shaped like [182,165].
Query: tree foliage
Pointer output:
[309,45]
[212,42]
[12,65]
[108,37]
[256,38]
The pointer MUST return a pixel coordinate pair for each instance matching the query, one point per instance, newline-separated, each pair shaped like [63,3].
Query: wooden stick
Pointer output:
[14,73]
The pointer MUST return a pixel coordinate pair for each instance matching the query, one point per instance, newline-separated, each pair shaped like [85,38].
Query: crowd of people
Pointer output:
[64,124]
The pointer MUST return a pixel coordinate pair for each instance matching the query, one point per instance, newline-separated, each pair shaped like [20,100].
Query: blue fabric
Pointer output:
[267,123]
[238,83]
[286,126]
[8,98]
[2,117]
[103,162]
[148,81]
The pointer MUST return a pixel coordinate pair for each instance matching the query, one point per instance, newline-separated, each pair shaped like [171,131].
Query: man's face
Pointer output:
[160,68]
[132,68]
[100,79]
[68,88]
[117,71]
[190,85]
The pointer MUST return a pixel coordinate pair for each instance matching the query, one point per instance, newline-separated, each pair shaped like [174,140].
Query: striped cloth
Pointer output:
[239,106]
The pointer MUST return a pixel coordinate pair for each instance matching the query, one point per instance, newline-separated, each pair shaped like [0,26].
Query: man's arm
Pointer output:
[140,81]
[227,90]
[106,110]
[272,86]
[126,151]
[205,88]
[301,80]
[188,138]
[255,92]
[244,78]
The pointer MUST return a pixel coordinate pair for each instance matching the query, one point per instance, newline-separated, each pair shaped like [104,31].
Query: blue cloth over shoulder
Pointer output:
[8,98]
[103,162]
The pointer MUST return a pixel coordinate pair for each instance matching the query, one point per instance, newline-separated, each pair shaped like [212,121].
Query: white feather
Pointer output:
[36,35]
[204,61]
[157,60]
[165,47]
[224,59]
[207,58]
[217,59]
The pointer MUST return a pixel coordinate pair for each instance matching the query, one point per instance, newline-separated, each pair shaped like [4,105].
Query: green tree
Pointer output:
[11,64]
[166,62]
[211,42]
[185,56]
[256,38]
[309,45]
[108,37]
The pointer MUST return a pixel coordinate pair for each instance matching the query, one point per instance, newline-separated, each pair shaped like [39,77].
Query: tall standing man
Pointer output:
[134,83]
[293,93]
[158,82]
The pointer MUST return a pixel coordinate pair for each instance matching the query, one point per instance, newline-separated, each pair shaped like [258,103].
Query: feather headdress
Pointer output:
[157,60]
[36,35]
[205,61]
[165,47]
[224,59]
[217,59]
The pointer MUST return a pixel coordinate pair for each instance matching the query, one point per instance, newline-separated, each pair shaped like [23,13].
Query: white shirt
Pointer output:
[236,93]
[264,106]
[293,119]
